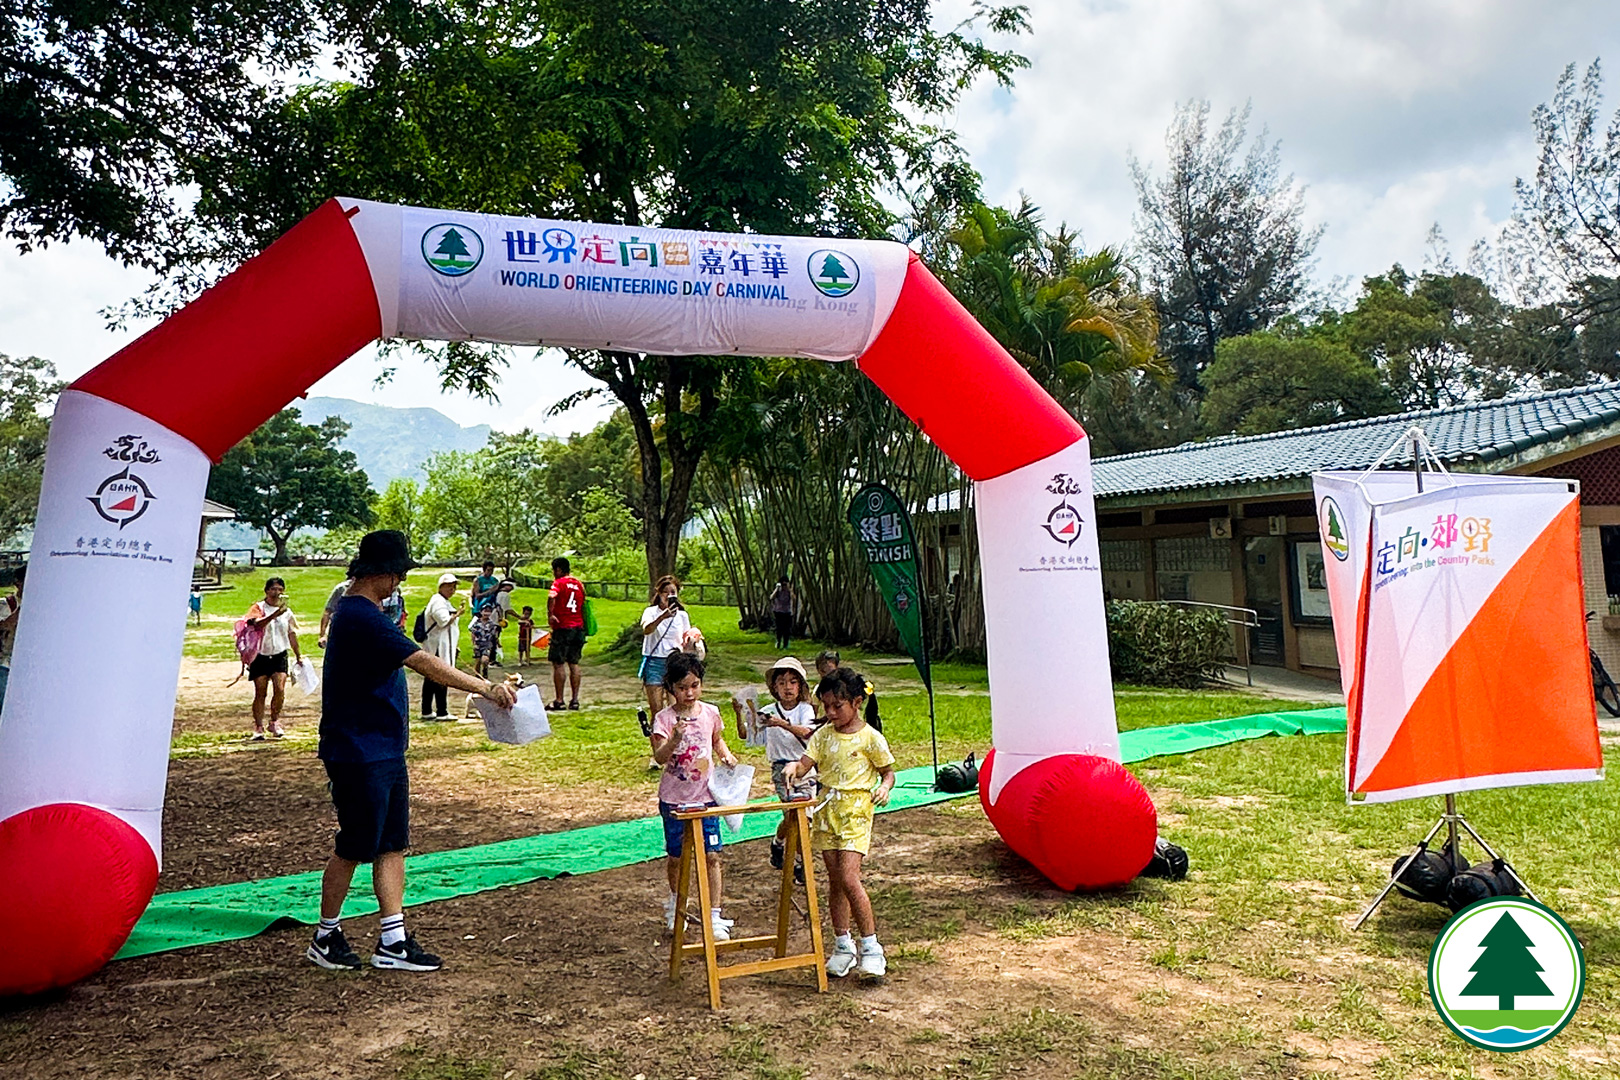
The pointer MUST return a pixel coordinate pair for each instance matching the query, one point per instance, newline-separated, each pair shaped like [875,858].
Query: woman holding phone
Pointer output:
[662,625]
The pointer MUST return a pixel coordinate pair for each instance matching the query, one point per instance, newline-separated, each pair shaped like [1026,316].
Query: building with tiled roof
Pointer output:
[1232,520]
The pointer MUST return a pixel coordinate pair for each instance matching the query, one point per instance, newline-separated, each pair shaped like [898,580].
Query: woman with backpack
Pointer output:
[268,670]
[439,619]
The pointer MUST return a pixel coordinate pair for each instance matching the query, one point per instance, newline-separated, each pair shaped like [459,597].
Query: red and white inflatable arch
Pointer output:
[84,744]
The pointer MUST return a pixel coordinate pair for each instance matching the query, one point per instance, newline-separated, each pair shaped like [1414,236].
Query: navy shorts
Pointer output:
[372,800]
[675,831]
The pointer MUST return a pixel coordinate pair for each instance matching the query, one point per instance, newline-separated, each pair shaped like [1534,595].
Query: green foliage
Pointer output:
[1442,338]
[489,502]
[1221,237]
[109,112]
[1166,645]
[1288,378]
[602,526]
[1069,317]
[400,507]
[341,543]
[289,475]
[28,387]
[779,118]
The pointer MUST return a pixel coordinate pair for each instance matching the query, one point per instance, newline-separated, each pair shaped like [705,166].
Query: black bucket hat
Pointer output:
[383,552]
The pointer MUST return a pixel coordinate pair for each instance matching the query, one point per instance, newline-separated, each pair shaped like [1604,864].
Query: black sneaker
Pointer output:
[406,956]
[1169,861]
[332,952]
[798,873]
[778,852]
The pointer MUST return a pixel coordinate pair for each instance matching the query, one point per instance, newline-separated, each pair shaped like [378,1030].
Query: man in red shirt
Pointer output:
[565,611]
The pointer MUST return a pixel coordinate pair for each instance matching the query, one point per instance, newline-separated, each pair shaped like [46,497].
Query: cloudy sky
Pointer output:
[1395,115]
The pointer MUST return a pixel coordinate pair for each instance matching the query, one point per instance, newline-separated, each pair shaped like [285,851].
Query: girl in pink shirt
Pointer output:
[686,738]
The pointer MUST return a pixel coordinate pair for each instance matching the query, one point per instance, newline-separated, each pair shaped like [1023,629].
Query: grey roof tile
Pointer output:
[1484,430]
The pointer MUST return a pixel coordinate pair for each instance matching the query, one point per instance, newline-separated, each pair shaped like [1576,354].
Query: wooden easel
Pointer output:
[798,840]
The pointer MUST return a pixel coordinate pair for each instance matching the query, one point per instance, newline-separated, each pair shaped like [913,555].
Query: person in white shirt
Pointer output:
[789,721]
[443,632]
[269,669]
[662,625]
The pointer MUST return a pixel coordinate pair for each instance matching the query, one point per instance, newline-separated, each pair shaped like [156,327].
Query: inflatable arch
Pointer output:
[84,758]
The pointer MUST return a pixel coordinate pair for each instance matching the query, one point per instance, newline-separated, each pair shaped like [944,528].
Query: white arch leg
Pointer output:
[90,703]
[1051,690]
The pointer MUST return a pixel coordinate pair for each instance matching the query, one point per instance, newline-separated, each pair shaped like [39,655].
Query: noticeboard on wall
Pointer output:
[1308,577]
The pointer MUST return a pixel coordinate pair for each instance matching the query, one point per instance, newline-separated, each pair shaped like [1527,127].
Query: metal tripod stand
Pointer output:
[1451,821]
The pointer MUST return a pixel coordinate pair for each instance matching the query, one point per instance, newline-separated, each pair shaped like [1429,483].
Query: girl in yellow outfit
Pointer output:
[856,772]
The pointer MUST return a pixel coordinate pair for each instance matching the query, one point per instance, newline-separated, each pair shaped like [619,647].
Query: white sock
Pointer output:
[393,929]
[714,913]
[869,943]
[844,941]
[326,927]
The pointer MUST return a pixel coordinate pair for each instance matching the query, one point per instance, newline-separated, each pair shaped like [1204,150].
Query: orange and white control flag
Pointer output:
[1458,614]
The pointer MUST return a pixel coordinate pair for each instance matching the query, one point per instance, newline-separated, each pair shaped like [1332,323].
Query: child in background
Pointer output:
[789,722]
[486,630]
[525,633]
[827,662]
[686,738]
[856,771]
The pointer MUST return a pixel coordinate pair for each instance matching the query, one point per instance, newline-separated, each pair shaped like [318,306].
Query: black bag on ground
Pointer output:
[955,778]
[420,630]
[1429,875]
[1481,883]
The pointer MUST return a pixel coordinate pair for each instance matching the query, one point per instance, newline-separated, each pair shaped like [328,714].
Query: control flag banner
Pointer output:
[1458,614]
[883,529]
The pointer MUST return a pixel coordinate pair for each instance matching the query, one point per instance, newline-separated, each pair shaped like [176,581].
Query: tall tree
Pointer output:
[1067,315]
[1222,235]
[289,475]
[1565,230]
[28,387]
[780,118]
[491,502]
[1289,377]
[108,110]
[400,507]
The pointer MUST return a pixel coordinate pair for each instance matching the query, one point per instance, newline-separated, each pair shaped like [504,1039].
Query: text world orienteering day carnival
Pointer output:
[724,268]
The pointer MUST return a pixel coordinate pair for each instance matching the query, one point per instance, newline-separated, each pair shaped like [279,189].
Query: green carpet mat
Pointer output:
[220,913]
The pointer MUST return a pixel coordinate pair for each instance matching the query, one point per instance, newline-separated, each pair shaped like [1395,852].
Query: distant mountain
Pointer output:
[393,442]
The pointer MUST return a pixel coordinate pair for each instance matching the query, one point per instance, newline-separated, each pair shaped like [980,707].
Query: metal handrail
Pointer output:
[1249,621]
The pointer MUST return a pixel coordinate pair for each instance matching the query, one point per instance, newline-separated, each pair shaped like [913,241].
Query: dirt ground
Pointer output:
[568,978]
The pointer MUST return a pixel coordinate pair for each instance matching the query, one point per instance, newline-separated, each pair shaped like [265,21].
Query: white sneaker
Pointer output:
[721,927]
[669,913]
[841,961]
[873,963]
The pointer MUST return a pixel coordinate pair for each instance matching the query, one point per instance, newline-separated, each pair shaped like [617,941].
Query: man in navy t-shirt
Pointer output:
[363,739]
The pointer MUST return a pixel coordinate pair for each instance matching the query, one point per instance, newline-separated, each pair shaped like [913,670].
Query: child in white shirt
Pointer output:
[789,721]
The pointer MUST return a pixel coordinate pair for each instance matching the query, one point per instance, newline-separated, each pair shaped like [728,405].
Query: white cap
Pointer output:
[447,578]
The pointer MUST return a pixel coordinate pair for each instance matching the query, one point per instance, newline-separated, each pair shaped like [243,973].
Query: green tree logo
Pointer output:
[1334,538]
[1506,970]
[1506,974]
[833,273]
[451,249]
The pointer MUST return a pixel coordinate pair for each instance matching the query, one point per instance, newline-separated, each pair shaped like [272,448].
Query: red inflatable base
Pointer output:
[73,882]
[1083,821]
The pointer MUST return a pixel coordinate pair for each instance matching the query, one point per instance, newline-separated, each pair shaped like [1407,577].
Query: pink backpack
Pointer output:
[249,639]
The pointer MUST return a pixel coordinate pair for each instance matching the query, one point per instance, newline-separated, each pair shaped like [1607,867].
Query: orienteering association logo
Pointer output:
[833,273]
[1334,537]
[122,498]
[451,249]
[1506,974]
[1063,524]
